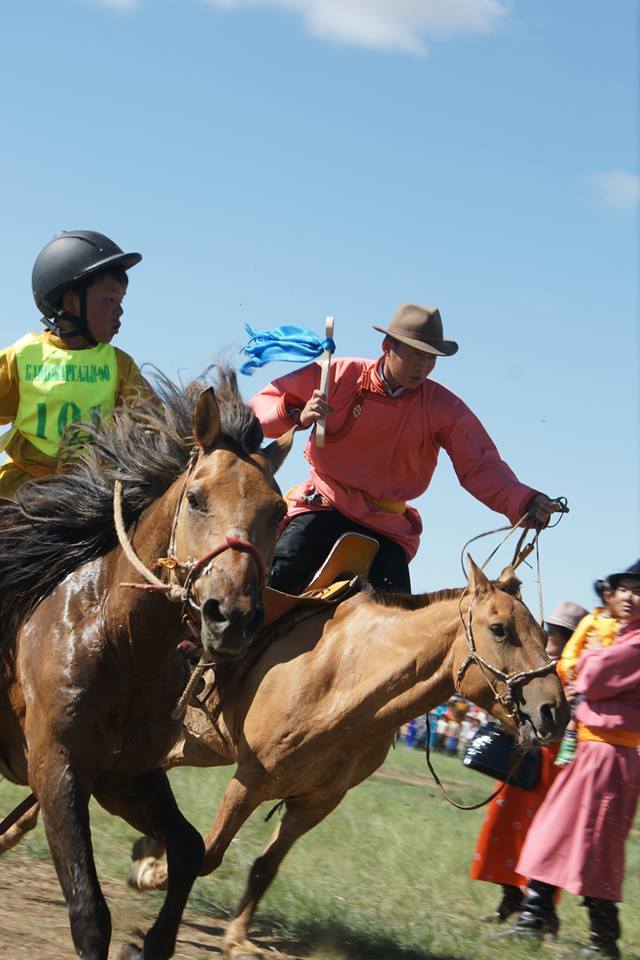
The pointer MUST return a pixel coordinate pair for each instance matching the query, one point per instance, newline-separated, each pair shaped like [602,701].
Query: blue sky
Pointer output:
[278,160]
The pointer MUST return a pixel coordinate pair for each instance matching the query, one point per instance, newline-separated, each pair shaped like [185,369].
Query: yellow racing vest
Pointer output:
[59,387]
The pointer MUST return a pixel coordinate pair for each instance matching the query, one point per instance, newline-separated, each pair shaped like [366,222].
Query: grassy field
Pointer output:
[385,876]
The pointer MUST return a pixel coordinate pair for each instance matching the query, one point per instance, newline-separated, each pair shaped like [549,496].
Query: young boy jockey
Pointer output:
[70,373]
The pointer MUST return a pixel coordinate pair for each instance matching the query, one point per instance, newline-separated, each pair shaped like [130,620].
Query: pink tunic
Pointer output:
[383,448]
[577,839]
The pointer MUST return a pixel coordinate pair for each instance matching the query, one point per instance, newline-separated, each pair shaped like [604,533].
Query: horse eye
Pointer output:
[498,630]
[192,500]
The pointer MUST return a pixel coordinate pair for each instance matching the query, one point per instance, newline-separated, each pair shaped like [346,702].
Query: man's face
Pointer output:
[626,598]
[104,307]
[407,367]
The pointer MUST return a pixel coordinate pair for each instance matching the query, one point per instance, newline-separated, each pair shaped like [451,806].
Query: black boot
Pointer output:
[537,913]
[510,903]
[605,929]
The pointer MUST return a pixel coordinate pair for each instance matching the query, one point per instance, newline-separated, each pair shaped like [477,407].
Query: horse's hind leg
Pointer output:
[14,834]
[300,817]
[148,804]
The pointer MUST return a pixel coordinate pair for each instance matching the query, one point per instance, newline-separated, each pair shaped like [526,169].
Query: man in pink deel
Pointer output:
[577,840]
[386,422]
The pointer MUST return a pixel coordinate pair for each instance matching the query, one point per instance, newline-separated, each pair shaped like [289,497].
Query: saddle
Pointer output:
[339,577]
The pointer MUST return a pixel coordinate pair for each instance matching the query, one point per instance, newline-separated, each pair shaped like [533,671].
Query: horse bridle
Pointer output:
[181,592]
[513,681]
[194,568]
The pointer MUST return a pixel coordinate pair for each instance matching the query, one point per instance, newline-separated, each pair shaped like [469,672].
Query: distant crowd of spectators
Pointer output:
[451,727]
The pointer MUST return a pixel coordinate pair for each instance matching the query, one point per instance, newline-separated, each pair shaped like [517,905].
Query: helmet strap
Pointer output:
[80,326]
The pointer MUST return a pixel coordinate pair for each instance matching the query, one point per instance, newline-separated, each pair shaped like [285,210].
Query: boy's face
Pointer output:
[627,598]
[104,307]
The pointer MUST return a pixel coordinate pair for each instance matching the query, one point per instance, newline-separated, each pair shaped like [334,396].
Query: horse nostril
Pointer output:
[211,611]
[547,713]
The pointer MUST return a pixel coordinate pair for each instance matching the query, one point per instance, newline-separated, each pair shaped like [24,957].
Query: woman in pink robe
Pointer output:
[577,839]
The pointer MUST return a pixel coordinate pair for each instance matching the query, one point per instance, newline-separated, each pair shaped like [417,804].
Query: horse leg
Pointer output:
[64,802]
[146,852]
[147,871]
[300,817]
[148,804]
[14,834]
[237,803]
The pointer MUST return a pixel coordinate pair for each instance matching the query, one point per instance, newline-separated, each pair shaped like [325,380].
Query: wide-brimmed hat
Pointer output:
[567,614]
[420,327]
[632,573]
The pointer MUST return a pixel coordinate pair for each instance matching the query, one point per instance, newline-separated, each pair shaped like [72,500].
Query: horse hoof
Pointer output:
[147,847]
[129,951]
[140,876]
[243,951]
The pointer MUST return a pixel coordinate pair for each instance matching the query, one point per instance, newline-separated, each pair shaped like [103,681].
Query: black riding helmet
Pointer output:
[66,263]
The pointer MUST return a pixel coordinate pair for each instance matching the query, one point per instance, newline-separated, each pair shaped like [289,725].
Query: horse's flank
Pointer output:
[325,673]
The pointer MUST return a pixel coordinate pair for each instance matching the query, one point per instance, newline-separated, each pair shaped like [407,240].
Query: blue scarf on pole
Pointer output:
[294,344]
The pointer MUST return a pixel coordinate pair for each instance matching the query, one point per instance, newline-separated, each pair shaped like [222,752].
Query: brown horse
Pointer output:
[91,669]
[316,711]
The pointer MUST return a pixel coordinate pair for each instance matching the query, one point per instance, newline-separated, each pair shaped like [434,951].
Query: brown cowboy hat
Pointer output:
[567,614]
[420,327]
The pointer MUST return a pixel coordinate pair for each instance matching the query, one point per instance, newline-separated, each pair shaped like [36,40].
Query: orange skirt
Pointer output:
[505,826]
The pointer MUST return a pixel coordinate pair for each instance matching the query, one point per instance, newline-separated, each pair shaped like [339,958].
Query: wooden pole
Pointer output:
[325,380]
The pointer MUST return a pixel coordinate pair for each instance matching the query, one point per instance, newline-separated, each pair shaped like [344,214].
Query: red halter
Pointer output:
[231,543]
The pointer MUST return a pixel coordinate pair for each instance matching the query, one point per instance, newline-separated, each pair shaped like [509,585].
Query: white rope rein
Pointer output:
[173,592]
[130,553]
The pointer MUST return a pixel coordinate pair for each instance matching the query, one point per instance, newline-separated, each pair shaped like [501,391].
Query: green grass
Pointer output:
[385,876]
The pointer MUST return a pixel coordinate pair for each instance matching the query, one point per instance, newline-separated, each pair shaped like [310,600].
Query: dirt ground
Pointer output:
[34,923]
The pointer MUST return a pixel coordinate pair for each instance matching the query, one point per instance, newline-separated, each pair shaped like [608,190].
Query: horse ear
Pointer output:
[206,420]
[275,454]
[509,582]
[478,583]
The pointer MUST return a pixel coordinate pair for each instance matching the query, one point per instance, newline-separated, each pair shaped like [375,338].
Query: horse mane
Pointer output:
[415,601]
[412,601]
[60,522]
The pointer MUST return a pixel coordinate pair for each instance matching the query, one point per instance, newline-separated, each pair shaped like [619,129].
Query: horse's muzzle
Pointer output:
[548,721]
[229,633]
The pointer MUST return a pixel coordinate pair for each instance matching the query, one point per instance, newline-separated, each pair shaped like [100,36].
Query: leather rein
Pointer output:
[513,681]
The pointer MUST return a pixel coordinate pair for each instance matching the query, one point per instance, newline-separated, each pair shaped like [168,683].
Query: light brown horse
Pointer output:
[316,712]
[91,670]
